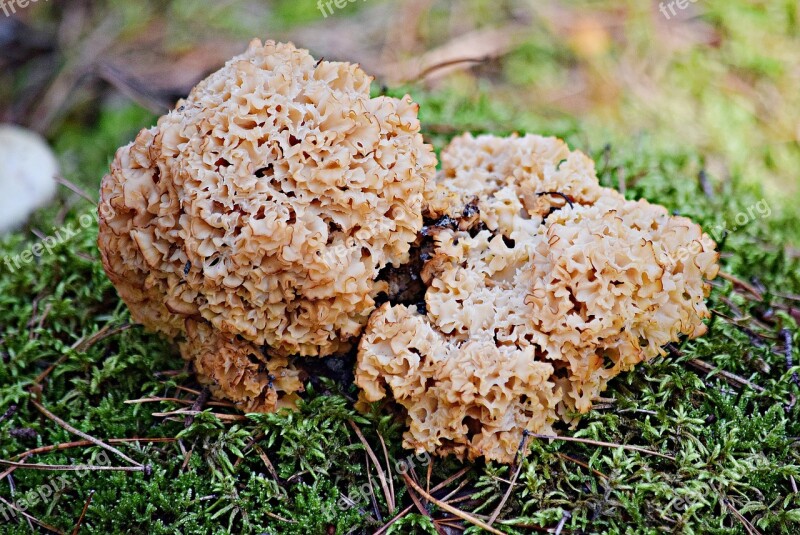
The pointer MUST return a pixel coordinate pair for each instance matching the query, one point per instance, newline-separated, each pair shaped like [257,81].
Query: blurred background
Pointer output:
[716,77]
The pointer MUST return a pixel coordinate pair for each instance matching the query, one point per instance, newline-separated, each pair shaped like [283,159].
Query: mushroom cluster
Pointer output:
[266,216]
[542,287]
[253,220]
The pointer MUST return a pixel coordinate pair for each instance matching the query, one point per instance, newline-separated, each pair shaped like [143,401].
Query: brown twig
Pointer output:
[31,517]
[394,519]
[83,435]
[80,443]
[451,523]
[71,467]
[429,473]
[197,406]
[405,511]
[433,68]
[523,450]
[184,412]
[74,188]
[102,334]
[730,378]
[450,509]
[421,508]
[388,465]
[381,476]
[742,284]
[77,527]
[277,517]
[372,498]
[7,472]
[606,444]
[270,467]
[583,464]
[750,528]
[178,400]
[452,478]
[82,345]
[448,498]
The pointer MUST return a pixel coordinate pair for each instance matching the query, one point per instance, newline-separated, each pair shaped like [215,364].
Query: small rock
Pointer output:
[27,175]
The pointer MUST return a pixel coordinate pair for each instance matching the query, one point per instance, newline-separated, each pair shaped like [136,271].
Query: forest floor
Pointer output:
[698,112]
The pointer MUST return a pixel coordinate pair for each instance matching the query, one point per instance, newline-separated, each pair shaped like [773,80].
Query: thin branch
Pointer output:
[83,435]
[606,444]
[31,517]
[421,508]
[276,517]
[74,188]
[381,476]
[270,467]
[523,450]
[433,68]
[585,465]
[450,509]
[731,378]
[178,400]
[71,467]
[388,465]
[372,498]
[80,443]
[742,284]
[428,476]
[750,528]
[184,412]
[405,511]
[82,345]
[77,527]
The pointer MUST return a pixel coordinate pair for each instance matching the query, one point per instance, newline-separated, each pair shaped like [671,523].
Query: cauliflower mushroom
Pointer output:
[253,220]
[543,287]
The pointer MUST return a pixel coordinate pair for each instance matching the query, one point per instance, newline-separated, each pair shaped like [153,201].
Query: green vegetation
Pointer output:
[729,425]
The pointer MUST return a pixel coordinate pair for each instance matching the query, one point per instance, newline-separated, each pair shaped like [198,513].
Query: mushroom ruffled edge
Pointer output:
[534,300]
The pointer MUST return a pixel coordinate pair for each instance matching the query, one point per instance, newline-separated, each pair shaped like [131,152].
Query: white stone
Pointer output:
[28,169]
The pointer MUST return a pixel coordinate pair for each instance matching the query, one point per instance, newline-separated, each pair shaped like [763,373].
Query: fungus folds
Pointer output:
[535,298]
[261,209]
[262,218]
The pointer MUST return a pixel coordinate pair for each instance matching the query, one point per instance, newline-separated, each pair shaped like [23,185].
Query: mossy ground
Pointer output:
[732,439]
